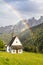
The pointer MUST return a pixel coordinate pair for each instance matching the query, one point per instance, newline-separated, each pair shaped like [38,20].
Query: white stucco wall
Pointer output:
[16,42]
[20,51]
[8,49]
[13,51]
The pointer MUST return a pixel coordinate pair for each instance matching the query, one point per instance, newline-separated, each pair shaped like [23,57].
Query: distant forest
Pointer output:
[33,43]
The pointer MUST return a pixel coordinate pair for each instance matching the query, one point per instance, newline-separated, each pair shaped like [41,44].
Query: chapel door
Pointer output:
[17,51]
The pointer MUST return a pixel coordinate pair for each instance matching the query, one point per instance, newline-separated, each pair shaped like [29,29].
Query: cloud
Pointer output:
[27,8]
[37,1]
[7,17]
[31,6]
[14,0]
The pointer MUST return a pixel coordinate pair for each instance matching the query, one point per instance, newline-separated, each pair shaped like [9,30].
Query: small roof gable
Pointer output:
[10,43]
[13,41]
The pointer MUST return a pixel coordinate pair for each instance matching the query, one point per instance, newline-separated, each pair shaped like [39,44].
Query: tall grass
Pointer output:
[21,59]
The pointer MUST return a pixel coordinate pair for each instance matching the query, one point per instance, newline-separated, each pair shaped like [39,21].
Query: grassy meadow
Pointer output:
[21,59]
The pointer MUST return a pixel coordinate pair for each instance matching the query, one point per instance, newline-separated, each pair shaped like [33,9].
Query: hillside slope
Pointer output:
[35,29]
[33,42]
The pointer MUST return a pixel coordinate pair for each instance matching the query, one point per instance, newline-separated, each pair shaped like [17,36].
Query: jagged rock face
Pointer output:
[34,22]
[21,26]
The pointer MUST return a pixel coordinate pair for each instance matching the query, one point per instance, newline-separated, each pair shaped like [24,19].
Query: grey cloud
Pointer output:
[14,0]
[26,6]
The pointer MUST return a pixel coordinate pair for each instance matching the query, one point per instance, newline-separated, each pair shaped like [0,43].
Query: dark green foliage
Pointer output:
[27,48]
[2,45]
[34,43]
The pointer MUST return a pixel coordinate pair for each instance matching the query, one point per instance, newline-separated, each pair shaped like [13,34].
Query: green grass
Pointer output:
[21,59]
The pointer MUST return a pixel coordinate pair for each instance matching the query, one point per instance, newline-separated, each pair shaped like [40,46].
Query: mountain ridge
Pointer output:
[20,26]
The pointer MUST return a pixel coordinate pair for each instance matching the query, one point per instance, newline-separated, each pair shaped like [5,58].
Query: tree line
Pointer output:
[35,44]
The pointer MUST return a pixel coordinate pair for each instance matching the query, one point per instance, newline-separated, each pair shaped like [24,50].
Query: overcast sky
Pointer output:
[26,8]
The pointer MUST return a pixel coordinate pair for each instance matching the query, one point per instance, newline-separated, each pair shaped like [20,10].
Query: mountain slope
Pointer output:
[33,43]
